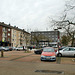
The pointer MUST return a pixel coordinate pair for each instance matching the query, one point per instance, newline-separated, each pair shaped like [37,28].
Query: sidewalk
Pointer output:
[12,55]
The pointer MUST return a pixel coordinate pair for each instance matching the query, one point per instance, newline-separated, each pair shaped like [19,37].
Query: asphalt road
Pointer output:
[35,68]
[20,63]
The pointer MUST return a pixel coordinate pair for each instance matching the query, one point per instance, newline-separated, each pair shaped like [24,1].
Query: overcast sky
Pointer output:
[30,14]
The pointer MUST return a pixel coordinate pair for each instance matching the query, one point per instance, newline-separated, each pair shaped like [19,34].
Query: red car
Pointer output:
[48,54]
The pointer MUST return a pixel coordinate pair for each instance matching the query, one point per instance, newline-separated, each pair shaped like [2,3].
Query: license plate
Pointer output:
[48,58]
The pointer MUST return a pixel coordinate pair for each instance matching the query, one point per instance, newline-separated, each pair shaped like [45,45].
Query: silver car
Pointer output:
[19,48]
[2,48]
[68,51]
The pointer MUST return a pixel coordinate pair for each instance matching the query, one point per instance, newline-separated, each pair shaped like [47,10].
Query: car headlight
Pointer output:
[42,56]
[53,56]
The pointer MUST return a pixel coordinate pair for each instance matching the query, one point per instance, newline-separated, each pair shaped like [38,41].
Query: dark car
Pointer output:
[38,51]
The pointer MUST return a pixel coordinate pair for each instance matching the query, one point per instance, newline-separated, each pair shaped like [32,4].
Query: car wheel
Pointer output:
[59,55]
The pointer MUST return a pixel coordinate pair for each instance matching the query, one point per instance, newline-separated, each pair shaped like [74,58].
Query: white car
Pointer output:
[68,51]
[2,48]
[19,48]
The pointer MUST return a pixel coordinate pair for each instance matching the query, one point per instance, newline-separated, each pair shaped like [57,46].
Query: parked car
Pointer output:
[67,51]
[48,54]
[19,48]
[14,48]
[55,46]
[62,47]
[8,48]
[38,51]
[2,48]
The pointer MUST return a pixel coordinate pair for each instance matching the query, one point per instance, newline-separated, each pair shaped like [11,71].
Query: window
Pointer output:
[8,39]
[8,34]
[72,49]
[66,49]
[52,36]
[12,39]
[5,34]
[8,29]
[56,38]
[4,29]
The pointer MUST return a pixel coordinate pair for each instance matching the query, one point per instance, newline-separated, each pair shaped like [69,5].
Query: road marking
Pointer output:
[21,57]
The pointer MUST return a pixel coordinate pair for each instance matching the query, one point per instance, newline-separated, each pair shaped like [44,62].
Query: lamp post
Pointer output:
[57,38]
[58,58]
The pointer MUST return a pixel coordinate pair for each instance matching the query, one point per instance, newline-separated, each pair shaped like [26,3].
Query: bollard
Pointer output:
[2,53]
[58,60]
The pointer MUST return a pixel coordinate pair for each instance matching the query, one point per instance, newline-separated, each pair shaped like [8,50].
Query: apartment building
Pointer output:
[5,34]
[27,37]
[47,38]
[13,36]
[20,37]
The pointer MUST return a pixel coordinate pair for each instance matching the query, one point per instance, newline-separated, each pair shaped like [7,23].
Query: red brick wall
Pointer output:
[0,33]
[10,34]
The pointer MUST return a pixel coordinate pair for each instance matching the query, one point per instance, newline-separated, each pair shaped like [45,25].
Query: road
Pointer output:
[20,63]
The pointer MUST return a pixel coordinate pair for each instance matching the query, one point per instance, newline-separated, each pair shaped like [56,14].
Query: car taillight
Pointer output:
[55,50]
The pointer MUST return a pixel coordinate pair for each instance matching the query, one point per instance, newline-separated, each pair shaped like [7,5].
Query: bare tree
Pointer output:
[67,21]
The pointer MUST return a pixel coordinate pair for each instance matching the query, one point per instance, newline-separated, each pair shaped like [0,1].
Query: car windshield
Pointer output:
[48,50]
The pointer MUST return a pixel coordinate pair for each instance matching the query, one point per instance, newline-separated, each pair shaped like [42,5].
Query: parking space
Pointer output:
[21,56]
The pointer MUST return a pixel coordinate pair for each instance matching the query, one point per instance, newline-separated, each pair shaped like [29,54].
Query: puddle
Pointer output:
[50,71]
